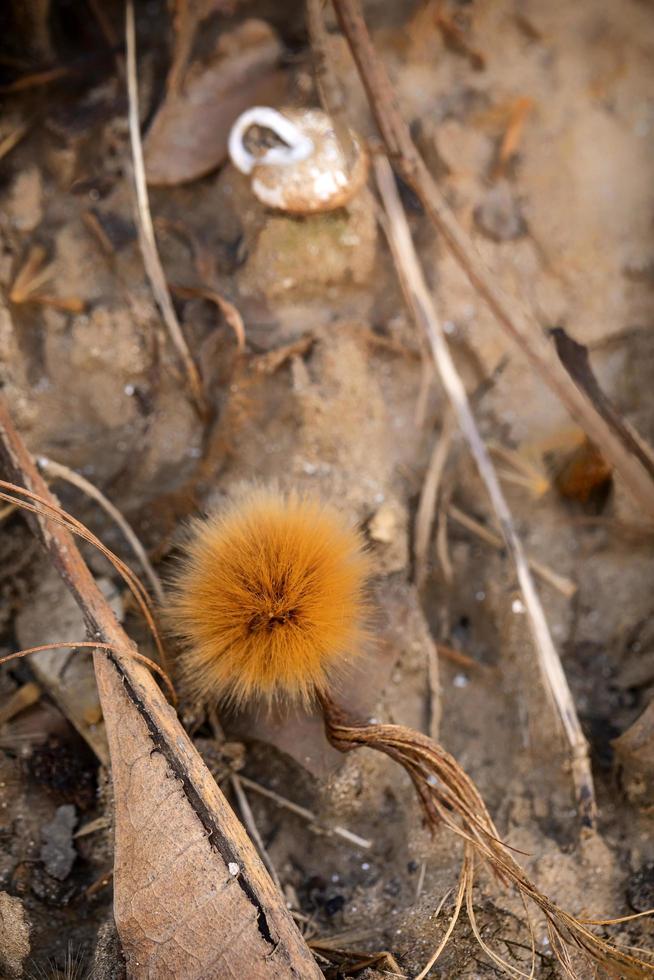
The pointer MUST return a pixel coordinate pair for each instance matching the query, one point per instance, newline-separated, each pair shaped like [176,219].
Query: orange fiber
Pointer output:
[269,600]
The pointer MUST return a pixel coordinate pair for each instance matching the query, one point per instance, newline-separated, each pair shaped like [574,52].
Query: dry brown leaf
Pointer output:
[181,910]
[634,750]
[574,358]
[188,902]
[188,137]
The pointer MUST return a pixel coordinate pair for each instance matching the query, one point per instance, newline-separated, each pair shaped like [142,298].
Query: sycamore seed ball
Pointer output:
[269,600]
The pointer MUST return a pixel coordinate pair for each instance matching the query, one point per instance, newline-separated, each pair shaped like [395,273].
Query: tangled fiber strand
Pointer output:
[449,797]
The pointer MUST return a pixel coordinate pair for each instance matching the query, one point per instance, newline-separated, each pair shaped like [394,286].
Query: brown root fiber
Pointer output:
[449,797]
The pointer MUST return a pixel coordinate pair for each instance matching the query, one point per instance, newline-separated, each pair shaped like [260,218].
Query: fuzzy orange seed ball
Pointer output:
[269,600]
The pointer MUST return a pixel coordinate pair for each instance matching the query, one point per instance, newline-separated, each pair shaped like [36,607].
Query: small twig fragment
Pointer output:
[559,582]
[306,814]
[228,310]
[428,497]
[253,830]
[26,695]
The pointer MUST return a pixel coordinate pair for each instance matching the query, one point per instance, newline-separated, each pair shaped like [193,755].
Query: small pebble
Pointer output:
[233,869]
[57,851]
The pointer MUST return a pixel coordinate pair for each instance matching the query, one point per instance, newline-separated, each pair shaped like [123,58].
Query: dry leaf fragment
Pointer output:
[583,473]
[574,358]
[188,137]
[187,902]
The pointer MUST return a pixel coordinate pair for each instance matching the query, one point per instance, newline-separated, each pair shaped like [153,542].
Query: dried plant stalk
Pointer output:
[421,304]
[449,798]
[514,320]
[147,239]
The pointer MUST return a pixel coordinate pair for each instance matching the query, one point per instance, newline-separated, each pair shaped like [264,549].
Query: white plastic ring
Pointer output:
[298,145]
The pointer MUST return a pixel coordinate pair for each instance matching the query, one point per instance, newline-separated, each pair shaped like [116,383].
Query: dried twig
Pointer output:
[442,539]
[147,239]
[60,472]
[461,659]
[306,814]
[7,511]
[520,325]
[12,139]
[253,830]
[428,495]
[556,685]
[26,695]
[435,690]
[32,276]
[559,582]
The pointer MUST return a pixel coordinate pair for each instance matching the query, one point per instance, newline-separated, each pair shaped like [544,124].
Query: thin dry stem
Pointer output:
[147,239]
[61,472]
[554,680]
[253,830]
[429,495]
[12,139]
[26,695]
[454,918]
[519,324]
[228,310]
[306,814]
[559,582]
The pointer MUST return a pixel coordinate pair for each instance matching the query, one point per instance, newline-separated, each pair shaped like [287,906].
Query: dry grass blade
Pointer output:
[253,830]
[147,239]
[428,495]
[517,322]
[30,279]
[449,798]
[415,287]
[7,511]
[12,139]
[559,582]
[454,918]
[58,471]
[306,814]
[26,695]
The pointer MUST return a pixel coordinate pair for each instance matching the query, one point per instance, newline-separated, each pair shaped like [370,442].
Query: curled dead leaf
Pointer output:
[188,137]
